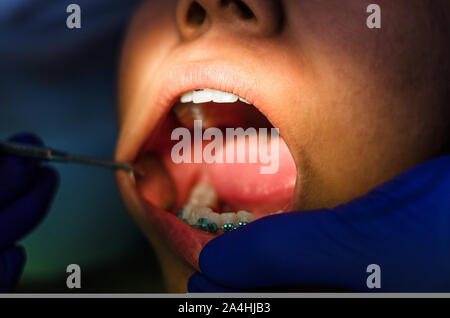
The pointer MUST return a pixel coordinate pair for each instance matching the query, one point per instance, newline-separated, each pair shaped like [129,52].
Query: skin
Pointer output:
[356,106]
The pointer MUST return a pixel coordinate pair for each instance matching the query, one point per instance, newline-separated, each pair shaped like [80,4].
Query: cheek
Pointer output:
[151,35]
[331,31]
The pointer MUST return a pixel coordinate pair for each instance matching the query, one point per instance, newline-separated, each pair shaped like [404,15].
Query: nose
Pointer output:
[252,17]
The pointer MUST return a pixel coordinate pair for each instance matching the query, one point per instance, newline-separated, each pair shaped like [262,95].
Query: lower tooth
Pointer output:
[228,218]
[214,218]
[245,216]
[207,220]
[202,224]
[198,212]
[188,214]
[201,214]
[203,195]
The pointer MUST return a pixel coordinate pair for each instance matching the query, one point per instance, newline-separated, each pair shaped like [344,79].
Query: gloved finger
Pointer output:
[17,173]
[21,216]
[26,138]
[12,262]
[401,226]
[199,283]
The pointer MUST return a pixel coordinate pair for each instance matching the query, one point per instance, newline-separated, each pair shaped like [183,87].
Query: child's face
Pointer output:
[355,106]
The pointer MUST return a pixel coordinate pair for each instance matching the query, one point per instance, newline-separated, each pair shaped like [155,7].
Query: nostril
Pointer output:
[196,14]
[256,17]
[245,12]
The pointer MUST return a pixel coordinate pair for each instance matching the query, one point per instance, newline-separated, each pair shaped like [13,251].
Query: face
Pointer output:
[354,107]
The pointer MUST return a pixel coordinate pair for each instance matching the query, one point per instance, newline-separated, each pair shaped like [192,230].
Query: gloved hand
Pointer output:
[26,190]
[403,226]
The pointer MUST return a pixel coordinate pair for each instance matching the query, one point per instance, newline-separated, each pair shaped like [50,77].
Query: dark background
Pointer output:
[61,85]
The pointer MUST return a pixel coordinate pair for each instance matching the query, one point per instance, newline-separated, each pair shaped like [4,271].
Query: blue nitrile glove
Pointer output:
[403,226]
[26,190]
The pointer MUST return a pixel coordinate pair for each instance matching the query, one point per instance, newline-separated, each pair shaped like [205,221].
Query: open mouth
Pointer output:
[190,203]
[215,196]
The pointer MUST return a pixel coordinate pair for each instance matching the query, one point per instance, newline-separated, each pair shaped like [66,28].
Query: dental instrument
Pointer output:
[49,154]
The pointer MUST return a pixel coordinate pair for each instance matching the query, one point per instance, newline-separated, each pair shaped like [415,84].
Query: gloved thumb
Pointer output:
[402,226]
[17,174]
[12,262]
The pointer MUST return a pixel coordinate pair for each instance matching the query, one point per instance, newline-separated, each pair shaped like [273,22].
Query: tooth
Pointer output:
[193,213]
[188,214]
[202,224]
[208,95]
[201,96]
[187,97]
[244,216]
[244,100]
[203,195]
[223,97]
[228,218]
[214,217]
[202,212]
[205,218]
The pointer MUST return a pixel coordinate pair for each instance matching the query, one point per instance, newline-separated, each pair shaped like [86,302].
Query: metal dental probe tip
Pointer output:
[49,154]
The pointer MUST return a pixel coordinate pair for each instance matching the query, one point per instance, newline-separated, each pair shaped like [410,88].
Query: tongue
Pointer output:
[244,186]
[241,186]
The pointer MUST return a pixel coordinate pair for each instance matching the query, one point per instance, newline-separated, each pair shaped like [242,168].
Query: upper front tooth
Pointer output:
[186,98]
[201,96]
[207,95]
[222,97]
[244,100]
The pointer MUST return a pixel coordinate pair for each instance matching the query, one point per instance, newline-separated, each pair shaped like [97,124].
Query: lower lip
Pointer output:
[184,239]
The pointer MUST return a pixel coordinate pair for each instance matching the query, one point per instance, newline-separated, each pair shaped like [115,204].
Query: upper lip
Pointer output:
[181,79]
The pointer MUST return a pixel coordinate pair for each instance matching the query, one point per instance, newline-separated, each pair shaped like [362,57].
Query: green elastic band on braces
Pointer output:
[202,224]
[212,227]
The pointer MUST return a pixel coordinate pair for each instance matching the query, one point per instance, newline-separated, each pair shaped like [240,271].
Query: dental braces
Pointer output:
[211,227]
